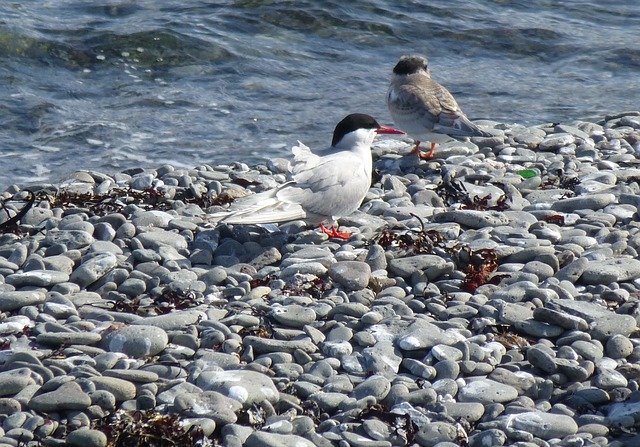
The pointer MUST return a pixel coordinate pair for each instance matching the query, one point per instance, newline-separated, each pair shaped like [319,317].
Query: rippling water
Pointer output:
[118,84]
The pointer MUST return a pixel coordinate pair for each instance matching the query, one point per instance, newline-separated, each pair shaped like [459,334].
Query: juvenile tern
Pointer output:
[424,109]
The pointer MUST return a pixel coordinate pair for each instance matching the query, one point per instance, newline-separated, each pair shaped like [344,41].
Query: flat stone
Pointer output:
[93,269]
[14,300]
[487,391]
[264,439]
[293,315]
[137,341]
[86,437]
[246,387]
[267,345]
[421,334]
[37,278]
[172,321]
[611,270]
[544,425]
[433,266]
[121,389]
[590,202]
[68,338]
[352,275]
[72,239]
[473,218]
[68,396]
[14,380]
[210,404]
[154,240]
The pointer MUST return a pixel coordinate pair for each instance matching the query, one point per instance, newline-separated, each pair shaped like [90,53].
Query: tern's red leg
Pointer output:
[334,232]
[423,155]
[428,155]
[416,149]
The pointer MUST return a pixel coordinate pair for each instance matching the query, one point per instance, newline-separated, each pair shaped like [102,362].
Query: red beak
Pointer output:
[390,130]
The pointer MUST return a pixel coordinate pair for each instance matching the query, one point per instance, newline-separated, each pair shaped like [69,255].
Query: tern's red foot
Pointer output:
[428,155]
[423,155]
[334,232]
[416,149]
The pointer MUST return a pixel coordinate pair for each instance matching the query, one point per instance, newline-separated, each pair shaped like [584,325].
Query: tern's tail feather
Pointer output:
[261,208]
[303,158]
[458,126]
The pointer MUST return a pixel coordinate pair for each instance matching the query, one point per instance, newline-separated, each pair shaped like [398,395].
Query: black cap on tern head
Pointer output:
[410,64]
[353,122]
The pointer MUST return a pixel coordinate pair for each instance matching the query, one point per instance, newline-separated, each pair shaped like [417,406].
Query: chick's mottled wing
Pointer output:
[433,106]
[333,187]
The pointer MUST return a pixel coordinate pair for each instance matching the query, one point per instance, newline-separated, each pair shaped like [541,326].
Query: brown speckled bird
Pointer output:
[424,109]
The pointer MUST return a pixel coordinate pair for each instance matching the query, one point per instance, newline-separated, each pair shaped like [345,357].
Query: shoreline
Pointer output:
[487,296]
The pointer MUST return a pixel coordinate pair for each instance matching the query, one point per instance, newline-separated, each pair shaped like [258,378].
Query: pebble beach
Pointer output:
[487,297]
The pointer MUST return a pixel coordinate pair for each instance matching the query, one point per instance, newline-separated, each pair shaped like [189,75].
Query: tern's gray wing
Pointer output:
[334,187]
[432,106]
[261,208]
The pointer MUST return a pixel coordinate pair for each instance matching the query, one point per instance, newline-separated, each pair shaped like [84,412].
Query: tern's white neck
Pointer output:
[359,143]
[356,141]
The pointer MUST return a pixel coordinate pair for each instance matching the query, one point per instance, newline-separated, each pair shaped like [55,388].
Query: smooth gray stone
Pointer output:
[293,315]
[523,382]
[376,258]
[472,218]
[68,396]
[266,345]
[572,271]
[246,387]
[9,406]
[421,334]
[609,379]
[68,338]
[470,411]
[590,202]
[433,266]
[72,239]
[37,278]
[172,321]
[209,404]
[264,439]
[352,275]
[611,270]
[544,425]
[490,437]
[94,268]
[436,432]
[619,346]
[14,380]
[376,386]
[60,263]
[555,141]
[588,350]
[561,319]
[86,437]
[122,390]
[543,358]
[137,341]
[487,391]
[14,300]
[155,239]
[382,358]
[603,322]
